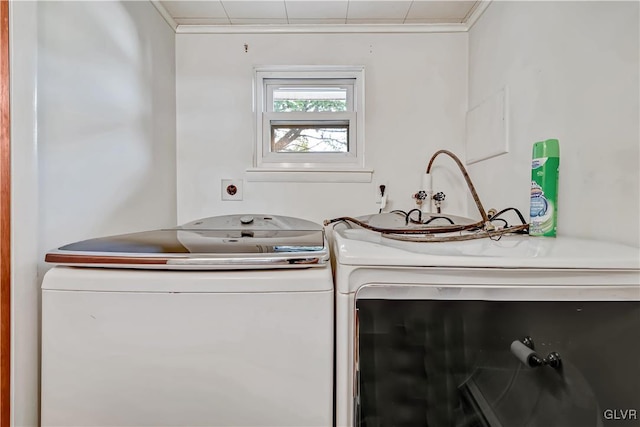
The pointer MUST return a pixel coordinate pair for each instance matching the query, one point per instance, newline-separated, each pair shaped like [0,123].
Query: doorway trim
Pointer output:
[5,220]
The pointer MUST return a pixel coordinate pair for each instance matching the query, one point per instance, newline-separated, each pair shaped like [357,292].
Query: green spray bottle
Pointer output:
[545,166]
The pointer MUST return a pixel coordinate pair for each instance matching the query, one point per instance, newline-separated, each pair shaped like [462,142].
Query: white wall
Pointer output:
[25,290]
[572,69]
[416,90]
[98,155]
[106,120]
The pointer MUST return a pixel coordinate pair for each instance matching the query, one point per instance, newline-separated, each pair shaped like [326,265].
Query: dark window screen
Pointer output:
[449,363]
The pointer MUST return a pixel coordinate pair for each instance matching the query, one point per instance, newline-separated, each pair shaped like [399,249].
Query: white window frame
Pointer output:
[265,78]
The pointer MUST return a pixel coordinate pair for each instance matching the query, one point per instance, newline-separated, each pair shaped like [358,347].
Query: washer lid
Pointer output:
[217,243]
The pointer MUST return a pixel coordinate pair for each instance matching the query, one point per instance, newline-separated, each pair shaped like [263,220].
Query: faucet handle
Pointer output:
[420,195]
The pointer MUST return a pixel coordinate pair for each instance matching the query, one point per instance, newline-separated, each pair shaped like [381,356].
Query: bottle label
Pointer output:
[536,163]
[541,211]
[544,185]
[539,203]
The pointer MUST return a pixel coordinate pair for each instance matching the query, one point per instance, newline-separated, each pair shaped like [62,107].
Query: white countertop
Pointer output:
[364,247]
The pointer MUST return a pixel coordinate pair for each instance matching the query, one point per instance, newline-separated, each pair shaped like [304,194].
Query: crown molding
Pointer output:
[320,29]
[165,14]
[476,13]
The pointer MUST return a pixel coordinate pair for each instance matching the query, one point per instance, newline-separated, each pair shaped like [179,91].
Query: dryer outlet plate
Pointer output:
[231,189]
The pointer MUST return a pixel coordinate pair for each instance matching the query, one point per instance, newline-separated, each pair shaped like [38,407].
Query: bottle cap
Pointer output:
[548,148]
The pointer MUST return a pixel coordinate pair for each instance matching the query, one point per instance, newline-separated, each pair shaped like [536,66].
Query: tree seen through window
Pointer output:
[326,137]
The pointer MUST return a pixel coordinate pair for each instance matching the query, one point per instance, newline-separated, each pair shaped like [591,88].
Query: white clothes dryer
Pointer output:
[468,333]
[226,321]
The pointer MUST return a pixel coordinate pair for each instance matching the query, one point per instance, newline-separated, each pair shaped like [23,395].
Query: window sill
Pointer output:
[308,175]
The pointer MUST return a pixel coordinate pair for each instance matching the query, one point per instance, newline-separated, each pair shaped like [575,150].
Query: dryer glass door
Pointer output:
[498,363]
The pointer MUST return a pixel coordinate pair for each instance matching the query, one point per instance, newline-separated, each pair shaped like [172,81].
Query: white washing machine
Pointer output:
[226,321]
[521,331]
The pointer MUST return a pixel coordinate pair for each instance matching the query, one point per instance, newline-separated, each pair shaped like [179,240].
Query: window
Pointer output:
[310,118]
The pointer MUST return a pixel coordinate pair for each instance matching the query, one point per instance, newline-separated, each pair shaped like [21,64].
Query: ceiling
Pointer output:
[319,12]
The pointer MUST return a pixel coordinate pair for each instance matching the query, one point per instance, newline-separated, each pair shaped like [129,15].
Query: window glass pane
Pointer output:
[310,138]
[309,99]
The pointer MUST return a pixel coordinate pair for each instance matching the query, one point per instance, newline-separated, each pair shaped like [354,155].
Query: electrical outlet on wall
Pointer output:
[231,189]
